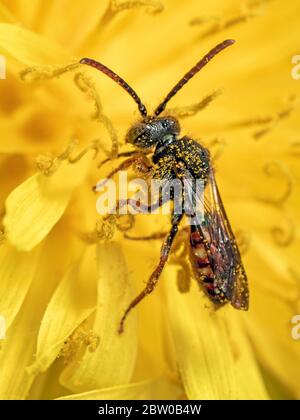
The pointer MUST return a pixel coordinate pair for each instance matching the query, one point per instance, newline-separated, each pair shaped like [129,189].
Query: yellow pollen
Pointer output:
[78,340]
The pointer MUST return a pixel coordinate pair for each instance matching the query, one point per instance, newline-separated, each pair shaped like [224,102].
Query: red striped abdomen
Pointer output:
[202,267]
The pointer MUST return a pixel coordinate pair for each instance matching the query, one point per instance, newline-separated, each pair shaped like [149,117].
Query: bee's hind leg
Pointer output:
[153,280]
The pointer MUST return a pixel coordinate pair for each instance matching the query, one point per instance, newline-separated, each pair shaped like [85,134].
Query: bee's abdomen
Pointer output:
[202,268]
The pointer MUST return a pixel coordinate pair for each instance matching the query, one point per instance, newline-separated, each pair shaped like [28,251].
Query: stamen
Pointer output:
[66,154]
[95,146]
[276,169]
[216,148]
[280,115]
[125,223]
[268,122]
[105,228]
[201,20]
[191,110]
[91,341]
[151,7]
[284,237]
[48,163]
[253,121]
[87,86]
[76,341]
[36,73]
[219,24]
[243,241]
[250,10]
[115,6]
[254,4]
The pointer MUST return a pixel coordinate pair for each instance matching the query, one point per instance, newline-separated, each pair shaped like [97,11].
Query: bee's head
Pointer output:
[147,132]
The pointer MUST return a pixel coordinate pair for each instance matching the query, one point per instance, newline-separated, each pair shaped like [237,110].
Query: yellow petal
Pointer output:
[29,48]
[204,349]
[154,356]
[33,129]
[230,365]
[35,206]
[273,306]
[72,302]
[251,385]
[154,389]
[16,353]
[17,270]
[113,361]
[31,212]
[6,15]
[18,349]
[82,15]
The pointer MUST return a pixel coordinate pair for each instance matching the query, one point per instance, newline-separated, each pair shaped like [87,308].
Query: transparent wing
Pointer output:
[222,248]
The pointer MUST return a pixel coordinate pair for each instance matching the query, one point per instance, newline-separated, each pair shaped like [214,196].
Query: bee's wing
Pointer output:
[222,244]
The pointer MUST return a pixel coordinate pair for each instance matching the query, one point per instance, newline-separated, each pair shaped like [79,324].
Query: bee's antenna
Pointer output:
[117,79]
[192,73]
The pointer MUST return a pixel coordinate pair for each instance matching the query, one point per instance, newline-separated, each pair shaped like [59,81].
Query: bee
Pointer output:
[215,257]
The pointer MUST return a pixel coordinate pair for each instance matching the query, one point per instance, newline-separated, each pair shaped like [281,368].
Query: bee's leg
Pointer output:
[184,274]
[160,235]
[94,146]
[153,280]
[123,154]
[140,161]
[153,236]
[143,208]
[140,208]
